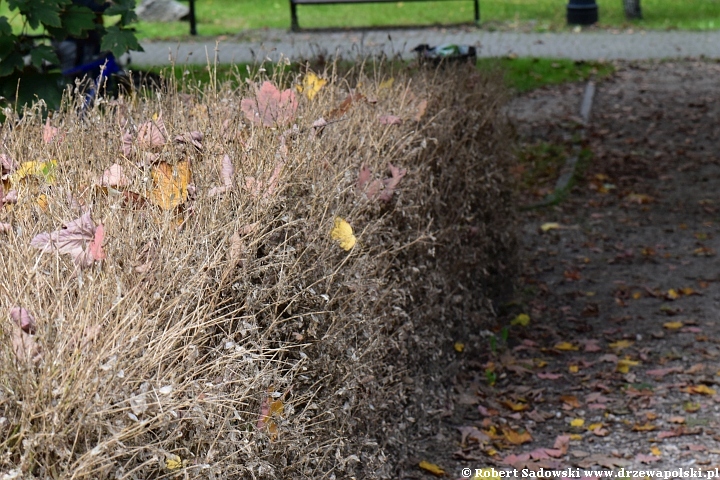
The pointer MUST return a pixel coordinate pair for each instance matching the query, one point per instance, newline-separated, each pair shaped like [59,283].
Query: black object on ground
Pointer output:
[446,53]
[582,12]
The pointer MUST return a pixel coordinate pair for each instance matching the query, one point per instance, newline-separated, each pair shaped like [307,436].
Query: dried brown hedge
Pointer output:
[146,364]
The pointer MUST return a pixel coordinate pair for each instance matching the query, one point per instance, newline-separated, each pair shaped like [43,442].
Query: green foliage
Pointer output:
[28,62]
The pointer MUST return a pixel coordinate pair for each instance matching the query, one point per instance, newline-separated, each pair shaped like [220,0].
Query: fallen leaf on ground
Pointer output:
[516,438]
[623,365]
[546,227]
[311,85]
[522,319]
[23,319]
[80,238]
[566,346]
[152,135]
[170,184]
[270,106]
[226,173]
[432,468]
[390,120]
[699,390]
[673,325]
[114,177]
[342,232]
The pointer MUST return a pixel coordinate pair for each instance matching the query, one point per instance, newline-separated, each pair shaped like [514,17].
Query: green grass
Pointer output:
[232,17]
[520,74]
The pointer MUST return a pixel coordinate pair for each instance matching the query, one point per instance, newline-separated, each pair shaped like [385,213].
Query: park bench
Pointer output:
[295,26]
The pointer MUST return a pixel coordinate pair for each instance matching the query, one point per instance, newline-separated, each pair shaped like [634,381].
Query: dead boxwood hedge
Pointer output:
[236,339]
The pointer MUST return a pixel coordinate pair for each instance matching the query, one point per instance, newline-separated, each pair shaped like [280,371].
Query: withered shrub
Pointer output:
[232,337]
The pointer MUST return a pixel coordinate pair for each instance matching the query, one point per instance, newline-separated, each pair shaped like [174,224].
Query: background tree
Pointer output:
[632,9]
[26,54]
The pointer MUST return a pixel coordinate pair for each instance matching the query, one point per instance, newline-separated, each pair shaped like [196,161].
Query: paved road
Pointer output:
[273,44]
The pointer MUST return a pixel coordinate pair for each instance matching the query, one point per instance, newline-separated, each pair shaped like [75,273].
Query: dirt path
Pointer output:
[619,365]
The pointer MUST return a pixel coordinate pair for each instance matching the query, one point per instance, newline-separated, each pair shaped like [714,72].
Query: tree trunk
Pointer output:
[632,9]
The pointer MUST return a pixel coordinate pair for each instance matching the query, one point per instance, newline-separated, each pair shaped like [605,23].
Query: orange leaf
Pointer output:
[516,438]
[170,184]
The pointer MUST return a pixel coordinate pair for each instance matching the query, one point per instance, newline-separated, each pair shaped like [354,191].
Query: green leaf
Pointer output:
[43,52]
[13,61]
[45,12]
[5,28]
[33,86]
[119,41]
[78,20]
[124,8]
[7,45]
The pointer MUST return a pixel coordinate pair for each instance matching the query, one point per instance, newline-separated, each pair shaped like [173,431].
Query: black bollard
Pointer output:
[582,12]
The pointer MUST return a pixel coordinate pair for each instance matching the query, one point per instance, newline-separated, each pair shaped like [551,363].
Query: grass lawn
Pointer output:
[231,17]
[521,74]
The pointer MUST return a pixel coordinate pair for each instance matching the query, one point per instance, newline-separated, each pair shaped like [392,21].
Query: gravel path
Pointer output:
[272,44]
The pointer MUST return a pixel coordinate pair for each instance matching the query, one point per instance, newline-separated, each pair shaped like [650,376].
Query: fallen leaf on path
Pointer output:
[699,390]
[432,468]
[621,344]
[577,422]
[522,319]
[623,365]
[516,438]
[546,227]
[642,458]
[566,346]
[673,325]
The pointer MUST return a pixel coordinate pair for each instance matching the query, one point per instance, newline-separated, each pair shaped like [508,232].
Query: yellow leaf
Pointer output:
[593,426]
[673,325]
[523,320]
[343,233]
[387,83]
[577,422]
[276,407]
[311,85]
[573,368]
[173,462]
[42,202]
[515,407]
[672,294]
[701,389]
[516,438]
[620,344]
[575,437]
[566,346]
[623,365]
[646,427]
[432,468]
[655,451]
[549,226]
[170,184]
[459,347]
[687,291]
[540,363]
[636,295]
[46,170]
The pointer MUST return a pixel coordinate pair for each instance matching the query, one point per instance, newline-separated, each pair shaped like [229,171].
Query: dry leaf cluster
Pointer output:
[196,315]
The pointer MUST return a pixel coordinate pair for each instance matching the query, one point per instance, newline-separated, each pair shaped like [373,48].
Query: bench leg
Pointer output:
[477,12]
[294,26]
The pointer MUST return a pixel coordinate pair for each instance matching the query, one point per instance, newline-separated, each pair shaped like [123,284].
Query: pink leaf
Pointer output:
[153,134]
[191,138]
[392,182]
[49,132]
[549,376]
[23,319]
[270,107]
[75,239]
[24,345]
[390,120]
[5,227]
[127,141]
[562,442]
[264,413]
[661,372]
[7,164]
[95,247]
[363,178]
[227,173]
[114,177]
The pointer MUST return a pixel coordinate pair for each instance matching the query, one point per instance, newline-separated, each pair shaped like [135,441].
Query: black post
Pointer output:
[632,9]
[294,26]
[582,12]
[193,25]
[477,12]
